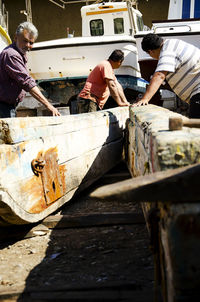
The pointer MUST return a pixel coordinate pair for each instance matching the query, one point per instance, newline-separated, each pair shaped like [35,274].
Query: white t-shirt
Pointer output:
[182,61]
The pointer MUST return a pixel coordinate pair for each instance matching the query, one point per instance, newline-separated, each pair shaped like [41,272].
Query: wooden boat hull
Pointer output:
[46,160]
[174,226]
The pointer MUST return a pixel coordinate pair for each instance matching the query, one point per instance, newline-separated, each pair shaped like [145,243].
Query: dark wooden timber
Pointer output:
[177,185]
[83,220]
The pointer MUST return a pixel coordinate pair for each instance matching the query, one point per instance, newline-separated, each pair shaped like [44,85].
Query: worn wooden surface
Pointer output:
[67,221]
[175,186]
[174,228]
[93,251]
[76,150]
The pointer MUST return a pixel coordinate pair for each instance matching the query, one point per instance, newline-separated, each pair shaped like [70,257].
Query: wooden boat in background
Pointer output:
[46,160]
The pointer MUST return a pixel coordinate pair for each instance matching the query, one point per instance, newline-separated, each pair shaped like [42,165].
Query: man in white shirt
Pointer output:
[179,65]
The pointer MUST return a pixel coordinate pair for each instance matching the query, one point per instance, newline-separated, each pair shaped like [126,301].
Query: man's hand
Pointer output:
[122,104]
[141,102]
[36,93]
[155,83]
[54,110]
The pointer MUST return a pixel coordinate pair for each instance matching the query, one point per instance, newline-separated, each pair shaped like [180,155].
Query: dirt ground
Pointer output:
[110,262]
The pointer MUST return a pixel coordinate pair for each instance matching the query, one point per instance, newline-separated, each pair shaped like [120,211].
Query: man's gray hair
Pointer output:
[29,27]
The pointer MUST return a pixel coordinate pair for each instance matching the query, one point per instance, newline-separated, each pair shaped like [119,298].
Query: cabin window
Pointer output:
[140,24]
[96,27]
[118,25]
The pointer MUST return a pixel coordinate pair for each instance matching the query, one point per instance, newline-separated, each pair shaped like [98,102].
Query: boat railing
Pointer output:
[183,28]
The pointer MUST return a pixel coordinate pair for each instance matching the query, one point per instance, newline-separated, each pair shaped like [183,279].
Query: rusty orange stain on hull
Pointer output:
[48,186]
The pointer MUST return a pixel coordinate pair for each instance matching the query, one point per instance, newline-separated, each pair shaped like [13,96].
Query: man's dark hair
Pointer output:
[116,56]
[151,42]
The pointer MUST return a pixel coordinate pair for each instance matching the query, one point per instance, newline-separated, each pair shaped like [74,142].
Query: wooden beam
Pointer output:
[92,291]
[176,185]
[88,220]
[22,231]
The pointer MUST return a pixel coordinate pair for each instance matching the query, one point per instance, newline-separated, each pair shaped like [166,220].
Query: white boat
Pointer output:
[4,36]
[183,23]
[61,66]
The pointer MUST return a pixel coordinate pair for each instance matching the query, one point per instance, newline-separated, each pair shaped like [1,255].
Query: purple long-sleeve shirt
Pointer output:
[15,80]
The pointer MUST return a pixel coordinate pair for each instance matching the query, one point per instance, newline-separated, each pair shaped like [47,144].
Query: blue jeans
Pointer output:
[7,110]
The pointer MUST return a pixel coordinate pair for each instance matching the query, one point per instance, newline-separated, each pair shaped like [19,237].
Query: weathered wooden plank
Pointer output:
[14,130]
[112,291]
[95,219]
[22,232]
[71,153]
[175,186]
[27,200]
[15,160]
[175,227]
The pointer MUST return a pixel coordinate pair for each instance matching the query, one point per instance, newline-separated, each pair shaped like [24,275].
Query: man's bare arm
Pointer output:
[116,93]
[156,81]
[121,94]
[37,94]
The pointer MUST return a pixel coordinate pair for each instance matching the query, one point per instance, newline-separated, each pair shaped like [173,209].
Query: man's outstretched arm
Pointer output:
[117,93]
[155,83]
[37,94]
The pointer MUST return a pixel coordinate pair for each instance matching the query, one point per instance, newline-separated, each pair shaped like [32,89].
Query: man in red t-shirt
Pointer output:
[100,84]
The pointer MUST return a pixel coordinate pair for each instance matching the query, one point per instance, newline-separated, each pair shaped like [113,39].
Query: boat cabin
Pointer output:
[110,18]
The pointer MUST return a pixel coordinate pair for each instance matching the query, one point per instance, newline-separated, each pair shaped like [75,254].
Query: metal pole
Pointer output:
[29,11]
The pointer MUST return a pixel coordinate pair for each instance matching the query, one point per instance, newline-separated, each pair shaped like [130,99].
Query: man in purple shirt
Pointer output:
[15,80]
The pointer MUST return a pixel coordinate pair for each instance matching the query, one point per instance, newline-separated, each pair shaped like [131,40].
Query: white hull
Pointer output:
[62,66]
[4,39]
[177,29]
[76,57]
[3,42]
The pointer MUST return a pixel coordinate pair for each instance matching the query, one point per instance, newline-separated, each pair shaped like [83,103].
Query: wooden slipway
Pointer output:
[46,160]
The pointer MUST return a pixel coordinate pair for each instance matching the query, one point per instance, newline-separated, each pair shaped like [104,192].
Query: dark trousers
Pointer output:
[194,109]
[83,106]
[7,110]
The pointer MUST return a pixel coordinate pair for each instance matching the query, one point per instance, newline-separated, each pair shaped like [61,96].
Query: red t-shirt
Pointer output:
[96,85]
